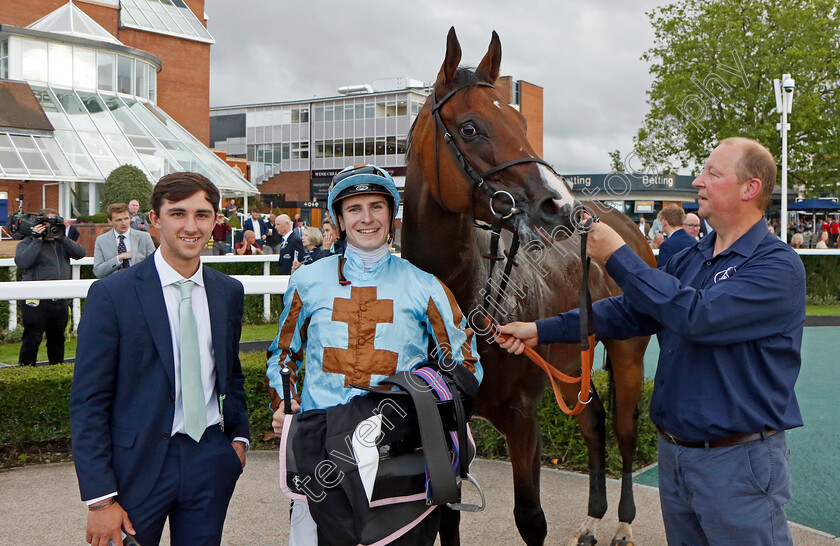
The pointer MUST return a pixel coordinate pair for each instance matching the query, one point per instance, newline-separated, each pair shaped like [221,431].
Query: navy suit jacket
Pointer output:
[264,227]
[122,403]
[673,245]
[287,253]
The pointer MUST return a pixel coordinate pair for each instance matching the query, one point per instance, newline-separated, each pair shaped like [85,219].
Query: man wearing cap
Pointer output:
[364,314]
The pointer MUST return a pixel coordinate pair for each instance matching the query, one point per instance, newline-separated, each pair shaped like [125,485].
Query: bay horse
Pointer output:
[444,196]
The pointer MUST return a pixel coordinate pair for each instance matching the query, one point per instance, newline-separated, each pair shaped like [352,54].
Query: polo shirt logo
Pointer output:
[725,274]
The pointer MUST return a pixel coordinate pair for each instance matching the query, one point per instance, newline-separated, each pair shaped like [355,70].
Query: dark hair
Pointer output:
[46,211]
[179,186]
[116,208]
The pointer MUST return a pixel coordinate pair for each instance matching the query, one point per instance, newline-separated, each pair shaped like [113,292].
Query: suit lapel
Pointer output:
[150,294]
[218,325]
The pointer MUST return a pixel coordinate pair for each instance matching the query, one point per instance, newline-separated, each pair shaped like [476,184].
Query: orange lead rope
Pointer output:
[587,339]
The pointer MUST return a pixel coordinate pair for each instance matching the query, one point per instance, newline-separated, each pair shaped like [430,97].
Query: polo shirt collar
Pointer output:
[745,245]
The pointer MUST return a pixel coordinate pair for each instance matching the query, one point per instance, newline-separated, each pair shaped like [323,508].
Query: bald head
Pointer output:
[691,224]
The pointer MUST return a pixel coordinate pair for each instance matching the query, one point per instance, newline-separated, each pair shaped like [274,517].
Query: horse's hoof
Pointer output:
[586,540]
[621,542]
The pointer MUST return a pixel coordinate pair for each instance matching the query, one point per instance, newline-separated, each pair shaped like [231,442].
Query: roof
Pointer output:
[71,21]
[19,109]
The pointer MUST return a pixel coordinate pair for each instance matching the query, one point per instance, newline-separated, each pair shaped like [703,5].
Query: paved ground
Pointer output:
[40,505]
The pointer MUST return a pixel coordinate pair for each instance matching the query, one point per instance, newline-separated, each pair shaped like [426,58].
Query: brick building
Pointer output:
[89,85]
[295,147]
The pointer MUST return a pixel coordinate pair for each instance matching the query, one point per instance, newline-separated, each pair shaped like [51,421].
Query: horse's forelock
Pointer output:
[465,77]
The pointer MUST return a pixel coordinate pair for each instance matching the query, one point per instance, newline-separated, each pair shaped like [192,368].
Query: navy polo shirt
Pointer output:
[729,329]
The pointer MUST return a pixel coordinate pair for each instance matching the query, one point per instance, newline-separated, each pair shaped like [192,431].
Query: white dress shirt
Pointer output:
[256,230]
[126,239]
[201,310]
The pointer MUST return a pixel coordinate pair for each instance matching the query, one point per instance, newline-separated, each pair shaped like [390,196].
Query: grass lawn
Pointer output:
[261,332]
[823,310]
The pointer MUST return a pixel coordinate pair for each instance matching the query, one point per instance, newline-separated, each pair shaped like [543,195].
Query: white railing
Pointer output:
[77,288]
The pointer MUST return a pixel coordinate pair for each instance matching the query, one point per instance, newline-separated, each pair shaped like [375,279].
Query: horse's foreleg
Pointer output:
[522,434]
[591,422]
[626,361]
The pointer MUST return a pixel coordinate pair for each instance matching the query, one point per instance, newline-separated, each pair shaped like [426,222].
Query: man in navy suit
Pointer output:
[258,226]
[157,409]
[673,217]
[292,247]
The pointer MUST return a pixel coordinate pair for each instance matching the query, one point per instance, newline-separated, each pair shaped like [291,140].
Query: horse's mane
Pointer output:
[465,76]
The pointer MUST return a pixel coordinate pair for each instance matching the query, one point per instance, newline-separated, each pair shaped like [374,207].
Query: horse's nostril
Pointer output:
[549,208]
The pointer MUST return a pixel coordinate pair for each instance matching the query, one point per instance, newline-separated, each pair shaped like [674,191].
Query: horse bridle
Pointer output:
[478,179]
[587,327]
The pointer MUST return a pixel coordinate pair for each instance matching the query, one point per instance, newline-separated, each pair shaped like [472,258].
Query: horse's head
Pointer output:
[472,149]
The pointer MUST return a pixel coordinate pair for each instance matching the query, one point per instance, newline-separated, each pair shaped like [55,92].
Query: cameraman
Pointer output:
[44,257]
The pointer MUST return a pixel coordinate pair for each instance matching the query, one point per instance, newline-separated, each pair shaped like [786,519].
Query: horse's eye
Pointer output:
[468,130]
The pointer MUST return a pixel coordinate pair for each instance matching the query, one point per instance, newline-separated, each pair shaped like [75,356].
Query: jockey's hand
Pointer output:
[516,336]
[602,242]
[280,414]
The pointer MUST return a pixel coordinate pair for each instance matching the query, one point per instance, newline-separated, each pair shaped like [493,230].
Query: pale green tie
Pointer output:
[192,391]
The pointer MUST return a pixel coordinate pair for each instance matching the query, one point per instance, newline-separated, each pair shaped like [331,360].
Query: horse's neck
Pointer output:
[440,242]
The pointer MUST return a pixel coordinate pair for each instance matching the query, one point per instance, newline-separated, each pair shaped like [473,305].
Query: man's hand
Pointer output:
[124,256]
[39,228]
[107,524]
[280,415]
[602,242]
[516,336]
[241,450]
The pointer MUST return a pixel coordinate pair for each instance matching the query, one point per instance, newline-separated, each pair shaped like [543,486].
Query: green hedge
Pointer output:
[562,442]
[34,416]
[822,281]
[34,411]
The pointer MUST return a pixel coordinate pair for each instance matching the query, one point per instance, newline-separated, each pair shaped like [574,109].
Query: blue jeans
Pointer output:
[726,495]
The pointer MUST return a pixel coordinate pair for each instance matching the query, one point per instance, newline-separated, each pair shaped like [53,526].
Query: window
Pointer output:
[141,88]
[348,111]
[84,68]
[328,113]
[370,111]
[318,113]
[517,92]
[61,65]
[125,69]
[34,60]
[152,83]
[401,108]
[4,59]
[300,115]
[105,70]
[171,17]
[339,112]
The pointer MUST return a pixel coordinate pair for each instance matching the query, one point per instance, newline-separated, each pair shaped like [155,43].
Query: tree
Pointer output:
[714,63]
[125,183]
[616,164]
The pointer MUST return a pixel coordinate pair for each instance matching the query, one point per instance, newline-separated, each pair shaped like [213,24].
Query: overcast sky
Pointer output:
[585,54]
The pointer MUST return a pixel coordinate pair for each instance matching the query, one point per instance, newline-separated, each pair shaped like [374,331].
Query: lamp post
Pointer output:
[784,102]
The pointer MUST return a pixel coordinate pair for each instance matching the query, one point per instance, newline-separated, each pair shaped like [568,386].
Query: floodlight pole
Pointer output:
[784,103]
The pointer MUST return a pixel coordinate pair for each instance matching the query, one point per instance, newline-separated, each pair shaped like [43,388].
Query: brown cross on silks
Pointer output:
[362,312]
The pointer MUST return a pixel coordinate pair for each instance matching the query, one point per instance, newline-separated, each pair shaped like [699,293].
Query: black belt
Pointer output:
[733,440]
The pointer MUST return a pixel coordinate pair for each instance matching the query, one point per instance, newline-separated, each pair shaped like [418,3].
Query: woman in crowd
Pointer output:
[823,242]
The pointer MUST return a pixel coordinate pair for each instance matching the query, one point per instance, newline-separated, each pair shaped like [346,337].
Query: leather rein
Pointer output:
[587,329]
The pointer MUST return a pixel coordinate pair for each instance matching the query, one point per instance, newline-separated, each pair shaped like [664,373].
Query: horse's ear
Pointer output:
[488,68]
[450,62]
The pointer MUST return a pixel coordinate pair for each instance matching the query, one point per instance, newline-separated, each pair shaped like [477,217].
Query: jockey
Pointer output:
[367,314]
